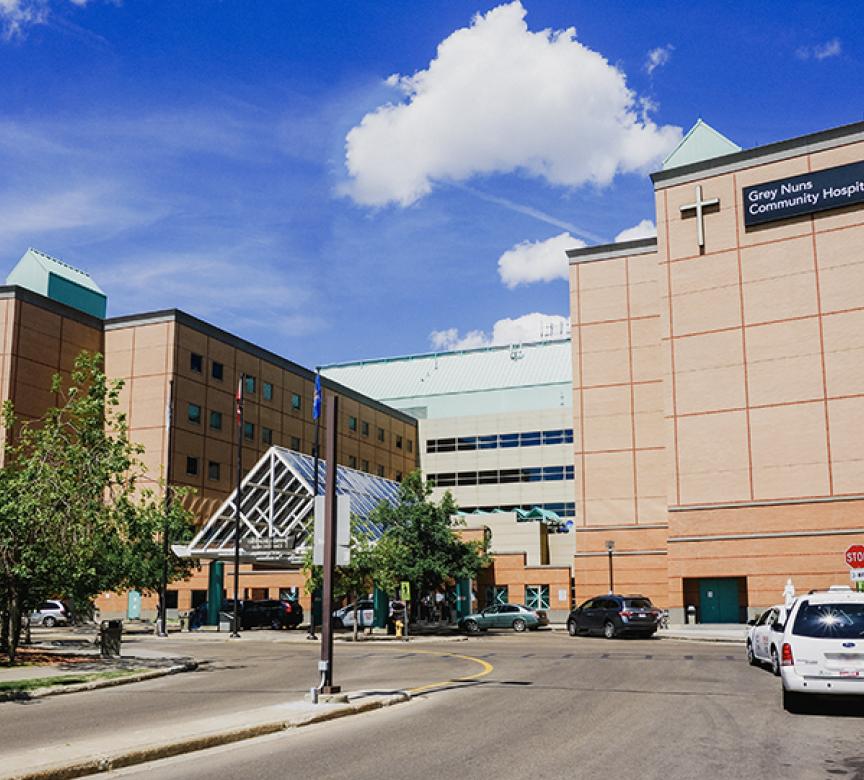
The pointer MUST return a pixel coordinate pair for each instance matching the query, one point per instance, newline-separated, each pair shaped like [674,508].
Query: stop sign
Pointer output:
[855,556]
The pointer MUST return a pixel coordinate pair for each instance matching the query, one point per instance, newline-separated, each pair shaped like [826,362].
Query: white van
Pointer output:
[823,646]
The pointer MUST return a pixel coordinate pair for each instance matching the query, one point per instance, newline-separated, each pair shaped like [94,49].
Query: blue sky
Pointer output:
[254,164]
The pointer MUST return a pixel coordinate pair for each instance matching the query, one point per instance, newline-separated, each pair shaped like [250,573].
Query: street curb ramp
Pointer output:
[119,760]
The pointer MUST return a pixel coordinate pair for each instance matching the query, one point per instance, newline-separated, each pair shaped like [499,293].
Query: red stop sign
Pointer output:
[855,556]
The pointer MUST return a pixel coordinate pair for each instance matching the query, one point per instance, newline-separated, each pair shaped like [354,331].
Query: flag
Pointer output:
[316,403]
[239,399]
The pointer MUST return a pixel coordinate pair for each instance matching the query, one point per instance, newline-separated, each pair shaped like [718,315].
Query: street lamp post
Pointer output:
[610,547]
[238,503]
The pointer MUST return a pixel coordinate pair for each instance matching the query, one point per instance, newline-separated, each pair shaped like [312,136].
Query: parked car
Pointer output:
[50,613]
[613,616]
[267,613]
[823,646]
[764,639]
[344,616]
[515,616]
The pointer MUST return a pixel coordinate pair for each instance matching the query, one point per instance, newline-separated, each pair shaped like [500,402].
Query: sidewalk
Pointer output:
[130,747]
[698,632]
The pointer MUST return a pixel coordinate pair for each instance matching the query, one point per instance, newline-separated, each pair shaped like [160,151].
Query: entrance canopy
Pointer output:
[278,507]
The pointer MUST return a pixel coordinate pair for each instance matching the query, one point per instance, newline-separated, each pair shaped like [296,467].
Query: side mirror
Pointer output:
[751,622]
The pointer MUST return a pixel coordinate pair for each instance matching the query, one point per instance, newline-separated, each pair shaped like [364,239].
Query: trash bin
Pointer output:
[690,616]
[110,637]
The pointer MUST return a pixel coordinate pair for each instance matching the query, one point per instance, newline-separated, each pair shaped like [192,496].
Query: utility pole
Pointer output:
[610,547]
[166,548]
[238,503]
[326,664]
[316,415]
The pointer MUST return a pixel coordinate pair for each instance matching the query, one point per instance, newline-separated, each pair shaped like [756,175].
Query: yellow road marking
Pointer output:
[487,667]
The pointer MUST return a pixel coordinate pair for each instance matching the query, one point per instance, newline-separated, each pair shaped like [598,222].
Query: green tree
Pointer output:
[70,522]
[420,543]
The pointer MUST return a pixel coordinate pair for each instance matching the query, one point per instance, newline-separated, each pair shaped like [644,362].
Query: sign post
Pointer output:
[326,664]
[854,557]
[405,595]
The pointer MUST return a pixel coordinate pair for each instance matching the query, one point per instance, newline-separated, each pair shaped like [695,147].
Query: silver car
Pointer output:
[50,613]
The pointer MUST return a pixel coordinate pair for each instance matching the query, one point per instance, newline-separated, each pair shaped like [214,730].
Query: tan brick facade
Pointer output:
[719,393]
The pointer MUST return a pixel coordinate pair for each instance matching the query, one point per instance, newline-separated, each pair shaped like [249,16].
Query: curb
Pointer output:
[109,762]
[57,690]
[711,640]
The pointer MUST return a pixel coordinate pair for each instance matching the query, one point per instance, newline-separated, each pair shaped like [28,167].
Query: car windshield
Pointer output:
[637,603]
[830,621]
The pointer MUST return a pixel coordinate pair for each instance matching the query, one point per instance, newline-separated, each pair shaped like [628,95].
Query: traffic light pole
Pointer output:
[326,664]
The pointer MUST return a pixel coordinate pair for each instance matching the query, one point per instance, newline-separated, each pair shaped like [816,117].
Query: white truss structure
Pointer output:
[278,507]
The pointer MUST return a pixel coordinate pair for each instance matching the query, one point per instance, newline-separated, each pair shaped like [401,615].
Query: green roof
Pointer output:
[59,281]
[703,142]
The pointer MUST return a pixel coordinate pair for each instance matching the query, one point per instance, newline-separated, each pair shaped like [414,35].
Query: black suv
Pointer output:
[267,613]
[613,615]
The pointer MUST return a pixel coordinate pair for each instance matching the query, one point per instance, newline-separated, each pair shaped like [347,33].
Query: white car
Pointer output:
[823,646]
[344,616]
[50,613]
[765,638]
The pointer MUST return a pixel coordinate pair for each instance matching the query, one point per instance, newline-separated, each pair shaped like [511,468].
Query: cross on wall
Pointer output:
[698,206]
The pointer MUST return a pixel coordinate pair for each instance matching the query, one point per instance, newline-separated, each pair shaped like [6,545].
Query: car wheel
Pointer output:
[49,622]
[793,701]
[751,658]
[775,662]
[471,627]
[571,628]
[519,625]
[609,629]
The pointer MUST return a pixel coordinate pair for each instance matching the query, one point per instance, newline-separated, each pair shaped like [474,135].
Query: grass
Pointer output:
[20,686]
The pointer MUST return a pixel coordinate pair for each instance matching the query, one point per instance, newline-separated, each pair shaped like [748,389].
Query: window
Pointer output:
[193,413]
[249,431]
[380,434]
[171,599]
[410,445]
[831,621]
[250,383]
[507,476]
[496,595]
[295,401]
[398,442]
[213,471]
[364,465]
[191,466]
[505,440]
[196,362]
[398,476]
[380,471]
[364,428]
[216,420]
[466,443]
[537,596]
[295,444]
[352,423]
[217,370]
[352,461]
[267,391]
[266,435]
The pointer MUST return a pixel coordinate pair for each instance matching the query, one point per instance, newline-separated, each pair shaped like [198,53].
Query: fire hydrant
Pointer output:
[399,626]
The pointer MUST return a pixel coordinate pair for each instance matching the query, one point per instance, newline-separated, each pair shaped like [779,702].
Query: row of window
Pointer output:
[217,372]
[502,476]
[380,432]
[214,468]
[560,508]
[536,596]
[500,441]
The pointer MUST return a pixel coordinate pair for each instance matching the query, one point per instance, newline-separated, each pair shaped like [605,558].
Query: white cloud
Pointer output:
[658,57]
[498,98]
[645,229]
[820,51]
[529,327]
[537,261]
[17,15]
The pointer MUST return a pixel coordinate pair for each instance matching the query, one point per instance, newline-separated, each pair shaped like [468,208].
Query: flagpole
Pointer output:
[238,501]
[316,414]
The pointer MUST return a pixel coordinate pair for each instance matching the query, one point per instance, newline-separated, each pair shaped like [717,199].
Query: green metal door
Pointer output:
[718,600]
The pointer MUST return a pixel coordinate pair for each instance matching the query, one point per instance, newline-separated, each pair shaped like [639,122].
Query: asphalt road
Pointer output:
[555,707]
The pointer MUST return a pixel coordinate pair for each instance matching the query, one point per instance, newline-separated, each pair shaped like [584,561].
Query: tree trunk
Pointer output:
[354,596]
[14,618]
